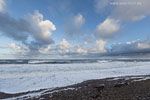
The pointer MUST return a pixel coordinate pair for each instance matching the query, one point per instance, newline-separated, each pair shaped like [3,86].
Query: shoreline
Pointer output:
[115,88]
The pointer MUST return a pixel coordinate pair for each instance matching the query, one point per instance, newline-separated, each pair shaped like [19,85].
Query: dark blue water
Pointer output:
[65,61]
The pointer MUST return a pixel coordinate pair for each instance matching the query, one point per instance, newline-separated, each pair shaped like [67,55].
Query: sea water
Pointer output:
[21,75]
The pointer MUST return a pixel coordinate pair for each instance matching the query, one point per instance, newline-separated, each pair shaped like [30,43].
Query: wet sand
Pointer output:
[119,88]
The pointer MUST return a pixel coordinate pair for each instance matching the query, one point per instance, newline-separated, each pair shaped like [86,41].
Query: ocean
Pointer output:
[21,75]
[65,61]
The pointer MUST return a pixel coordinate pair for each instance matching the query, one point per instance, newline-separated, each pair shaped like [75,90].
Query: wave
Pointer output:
[13,61]
[67,61]
[47,62]
[104,61]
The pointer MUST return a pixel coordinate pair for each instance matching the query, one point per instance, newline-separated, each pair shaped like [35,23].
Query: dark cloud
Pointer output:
[137,47]
[15,29]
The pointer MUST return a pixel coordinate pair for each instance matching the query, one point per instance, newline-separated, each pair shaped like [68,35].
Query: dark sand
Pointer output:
[121,88]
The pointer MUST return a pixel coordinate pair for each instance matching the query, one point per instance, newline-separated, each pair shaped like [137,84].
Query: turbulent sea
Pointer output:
[21,75]
[65,61]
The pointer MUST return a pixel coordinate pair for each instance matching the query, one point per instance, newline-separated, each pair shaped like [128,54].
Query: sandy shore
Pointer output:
[119,88]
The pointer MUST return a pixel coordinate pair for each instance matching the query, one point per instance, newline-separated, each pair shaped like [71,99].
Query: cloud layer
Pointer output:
[125,10]
[138,46]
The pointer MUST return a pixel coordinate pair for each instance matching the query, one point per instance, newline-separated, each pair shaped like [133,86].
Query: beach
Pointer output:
[88,79]
[117,88]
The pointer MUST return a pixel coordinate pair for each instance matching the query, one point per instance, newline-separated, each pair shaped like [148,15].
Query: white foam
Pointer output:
[28,77]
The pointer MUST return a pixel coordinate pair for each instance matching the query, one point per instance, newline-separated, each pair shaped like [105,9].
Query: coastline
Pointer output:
[116,88]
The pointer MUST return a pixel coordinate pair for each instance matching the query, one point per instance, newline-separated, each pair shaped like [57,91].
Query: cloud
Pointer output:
[19,50]
[84,48]
[101,5]
[85,43]
[81,51]
[15,29]
[42,29]
[132,47]
[119,11]
[64,46]
[79,20]
[100,44]
[144,45]
[104,32]
[74,25]
[107,29]
[125,10]
[133,11]
[2,5]
[45,49]
[136,48]
[34,27]
[15,47]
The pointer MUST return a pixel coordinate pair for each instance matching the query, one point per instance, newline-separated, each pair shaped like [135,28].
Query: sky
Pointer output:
[74,28]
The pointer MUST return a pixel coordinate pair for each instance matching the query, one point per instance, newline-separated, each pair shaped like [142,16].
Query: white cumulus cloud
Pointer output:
[100,46]
[45,49]
[33,32]
[145,45]
[20,50]
[107,28]
[43,28]
[105,31]
[81,51]
[64,46]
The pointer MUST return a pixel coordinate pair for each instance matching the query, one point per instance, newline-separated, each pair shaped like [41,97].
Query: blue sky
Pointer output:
[64,28]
